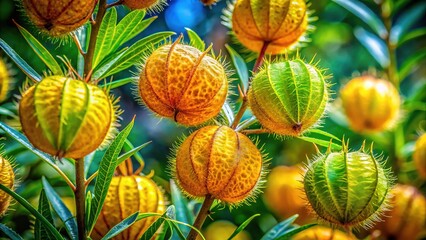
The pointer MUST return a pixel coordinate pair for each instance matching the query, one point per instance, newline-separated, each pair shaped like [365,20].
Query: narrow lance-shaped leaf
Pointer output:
[365,14]
[195,40]
[183,214]
[40,231]
[289,234]
[130,153]
[411,63]
[9,232]
[106,171]
[243,226]
[33,211]
[280,229]
[240,66]
[41,51]
[61,210]
[27,69]
[118,83]
[105,37]
[418,33]
[121,226]
[406,20]
[149,233]
[374,45]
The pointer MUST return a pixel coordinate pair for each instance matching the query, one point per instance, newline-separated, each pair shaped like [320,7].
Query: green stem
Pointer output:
[256,67]
[201,217]
[80,198]
[88,57]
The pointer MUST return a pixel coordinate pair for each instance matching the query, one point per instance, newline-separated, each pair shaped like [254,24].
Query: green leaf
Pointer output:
[19,137]
[134,54]
[228,113]
[280,229]
[10,233]
[375,46]
[8,113]
[418,33]
[41,51]
[29,71]
[130,153]
[118,83]
[324,133]
[121,226]
[105,37]
[106,171]
[88,207]
[105,65]
[183,214]
[289,234]
[61,210]
[406,20]
[365,14]
[410,63]
[323,143]
[195,40]
[240,66]
[40,231]
[149,233]
[180,235]
[163,233]
[243,226]
[32,210]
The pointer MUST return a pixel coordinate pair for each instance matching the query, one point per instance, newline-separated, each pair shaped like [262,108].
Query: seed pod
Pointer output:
[58,17]
[145,4]
[222,229]
[127,195]
[321,233]
[281,23]
[182,83]
[208,2]
[349,189]
[288,97]
[419,155]
[406,218]
[219,162]
[66,117]
[371,104]
[7,178]
[5,81]
[284,195]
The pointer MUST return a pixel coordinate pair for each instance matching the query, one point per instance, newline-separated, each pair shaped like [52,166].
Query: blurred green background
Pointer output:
[333,43]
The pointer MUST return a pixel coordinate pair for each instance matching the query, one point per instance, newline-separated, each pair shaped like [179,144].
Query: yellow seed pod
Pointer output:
[406,218]
[284,194]
[7,178]
[126,195]
[371,104]
[182,83]
[419,155]
[219,162]
[281,23]
[222,229]
[58,17]
[66,117]
[5,81]
[322,233]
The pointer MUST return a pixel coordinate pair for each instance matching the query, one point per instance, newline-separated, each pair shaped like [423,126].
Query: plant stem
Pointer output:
[93,35]
[80,198]
[255,131]
[256,67]
[201,217]
[391,70]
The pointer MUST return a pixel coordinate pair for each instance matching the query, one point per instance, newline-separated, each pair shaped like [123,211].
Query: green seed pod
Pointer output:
[66,117]
[349,189]
[288,97]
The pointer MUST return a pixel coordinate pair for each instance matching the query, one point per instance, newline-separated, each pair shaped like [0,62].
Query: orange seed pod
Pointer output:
[126,195]
[406,218]
[66,117]
[144,4]
[321,233]
[419,155]
[58,17]
[284,195]
[371,104]
[219,162]
[7,178]
[281,23]
[182,83]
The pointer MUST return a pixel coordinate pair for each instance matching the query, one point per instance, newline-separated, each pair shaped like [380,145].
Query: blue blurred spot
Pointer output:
[184,13]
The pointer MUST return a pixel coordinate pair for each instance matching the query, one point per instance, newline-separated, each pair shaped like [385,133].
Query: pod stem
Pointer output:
[256,67]
[201,217]
[80,198]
